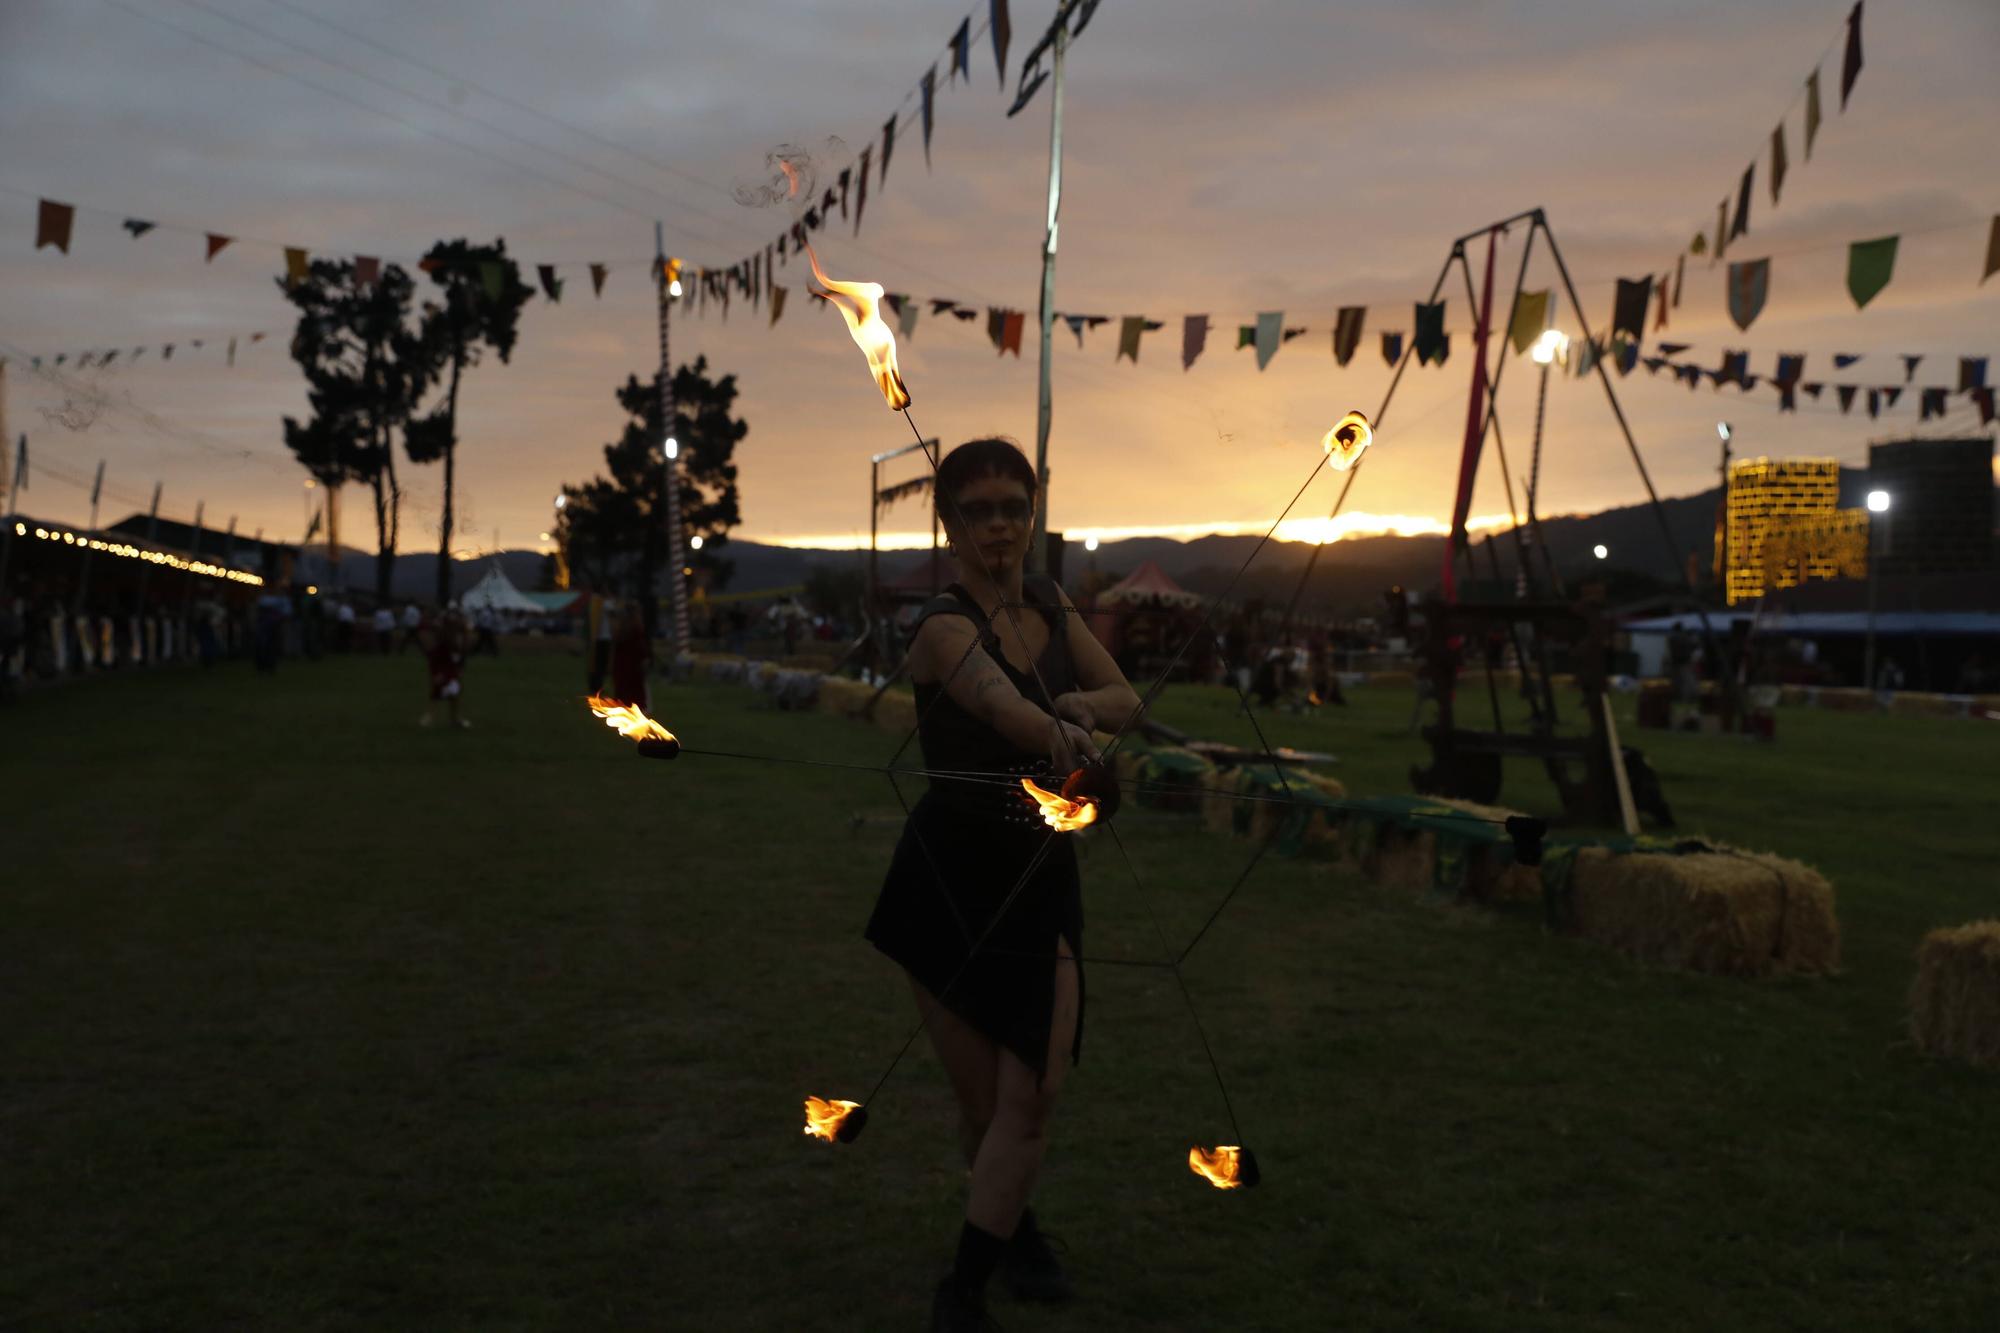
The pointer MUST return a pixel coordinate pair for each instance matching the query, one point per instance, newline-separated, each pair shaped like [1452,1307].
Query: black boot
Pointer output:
[960,1309]
[1030,1264]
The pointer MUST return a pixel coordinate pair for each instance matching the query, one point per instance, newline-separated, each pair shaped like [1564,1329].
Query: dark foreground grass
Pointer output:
[315,1020]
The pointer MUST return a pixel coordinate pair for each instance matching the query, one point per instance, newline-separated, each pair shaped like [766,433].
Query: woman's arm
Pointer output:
[947,649]
[1103,698]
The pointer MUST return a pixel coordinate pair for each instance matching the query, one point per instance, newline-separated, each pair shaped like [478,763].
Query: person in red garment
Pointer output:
[631,658]
[445,655]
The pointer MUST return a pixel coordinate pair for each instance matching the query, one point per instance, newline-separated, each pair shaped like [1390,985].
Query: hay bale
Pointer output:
[1219,806]
[1725,912]
[841,697]
[1955,1000]
[896,713]
[1173,778]
[1404,859]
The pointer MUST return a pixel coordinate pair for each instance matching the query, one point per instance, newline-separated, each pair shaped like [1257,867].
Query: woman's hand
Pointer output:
[1075,707]
[1070,747]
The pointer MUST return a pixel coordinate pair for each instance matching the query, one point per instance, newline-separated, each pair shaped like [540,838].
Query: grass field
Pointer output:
[317,1020]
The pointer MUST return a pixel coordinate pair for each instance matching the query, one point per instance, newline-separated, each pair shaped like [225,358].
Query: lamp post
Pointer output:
[1878,503]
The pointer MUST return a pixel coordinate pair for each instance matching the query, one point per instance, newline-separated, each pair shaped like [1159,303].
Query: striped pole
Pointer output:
[676,539]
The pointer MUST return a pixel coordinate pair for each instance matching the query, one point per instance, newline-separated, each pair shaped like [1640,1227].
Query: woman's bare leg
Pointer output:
[970,1060]
[1010,1157]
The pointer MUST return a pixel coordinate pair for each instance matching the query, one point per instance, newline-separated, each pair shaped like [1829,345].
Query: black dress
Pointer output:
[969,844]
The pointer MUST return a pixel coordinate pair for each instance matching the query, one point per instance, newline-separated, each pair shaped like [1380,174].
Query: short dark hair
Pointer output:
[994,456]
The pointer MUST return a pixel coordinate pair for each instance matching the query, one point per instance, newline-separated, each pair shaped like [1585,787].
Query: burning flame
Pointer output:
[1312,697]
[860,304]
[628,720]
[1220,1168]
[1347,441]
[824,1118]
[1059,812]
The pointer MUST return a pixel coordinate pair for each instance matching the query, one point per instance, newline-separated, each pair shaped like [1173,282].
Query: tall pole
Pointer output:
[83,574]
[13,508]
[1874,559]
[669,453]
[1036,554]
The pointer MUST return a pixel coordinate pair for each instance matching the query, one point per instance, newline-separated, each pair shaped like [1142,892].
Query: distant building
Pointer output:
[1783,526]
[1940,517]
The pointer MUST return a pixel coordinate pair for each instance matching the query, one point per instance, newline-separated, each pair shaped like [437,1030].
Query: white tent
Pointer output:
[496,592]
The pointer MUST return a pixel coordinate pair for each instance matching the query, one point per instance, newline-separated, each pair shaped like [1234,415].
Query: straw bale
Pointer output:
[1403,858]
[1955,1000]
[1725,912]
[896,713]
[842,697]
[1219,804]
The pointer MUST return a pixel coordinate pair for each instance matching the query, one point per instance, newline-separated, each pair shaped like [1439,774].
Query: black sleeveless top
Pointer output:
[953,740]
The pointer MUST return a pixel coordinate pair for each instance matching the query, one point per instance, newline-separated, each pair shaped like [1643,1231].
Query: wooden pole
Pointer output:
[1626,812]
[676,538]
[1036,555]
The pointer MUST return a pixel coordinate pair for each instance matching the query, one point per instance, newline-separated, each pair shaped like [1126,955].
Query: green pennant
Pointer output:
[494,278]
[1870,264]
[1246,336]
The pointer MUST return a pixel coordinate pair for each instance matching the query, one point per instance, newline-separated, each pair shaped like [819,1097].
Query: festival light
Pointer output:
[1553,345]
[835,1121]
[860,305]
[694,542]
[655,741]
[126,551]
[1601,551]
[1347,441]
[1227,1168]
[1878,502]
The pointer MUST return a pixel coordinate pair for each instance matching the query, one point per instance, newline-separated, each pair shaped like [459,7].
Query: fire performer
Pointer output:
[445,656]
[1009,683]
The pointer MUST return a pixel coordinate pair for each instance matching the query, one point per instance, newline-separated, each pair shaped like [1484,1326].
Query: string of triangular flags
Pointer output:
[55,224]
[1788,378]
[1730,225]
[755,275]
[100,357]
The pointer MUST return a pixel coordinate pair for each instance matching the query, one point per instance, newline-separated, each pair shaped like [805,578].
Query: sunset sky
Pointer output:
[1221,159]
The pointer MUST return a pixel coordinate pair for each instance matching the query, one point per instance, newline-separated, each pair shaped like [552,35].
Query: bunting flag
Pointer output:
[944,306]
[1842,360]
[1671,349]
[1429,339]
[860,195]
[1003,32]
[1627,356]
[1869,266]
[1788,398]
[1133,325]
[996,326]
[215,244]
[551,284]
[138,226]
[1699,245]
[1890,393]
[1270,324]
[1194,337]
[1660,320]
[1680,272]
[167,352]
[1735,369]
[1392,347]
[1813,389]
[961,52]
[1812,110]
[1741,226]
[906,321]
[888,147]
[1347,332]
[1777,162]
[1531,316]
[1850,63]
[1749,285]
[597,272]
[1984,397]
[296,267]
[1010,334]
[231,361]
[1075,323]
[1791,365]
[493,278]
[367,268]
[1910,364]
[777,302]
[928,86]
[1931,404]
[1299,332]
[52,224]
[1992,252]
[1721,230]
[1628,312]
[1246,336]
[1971,373]
[847,178]
[1845,393]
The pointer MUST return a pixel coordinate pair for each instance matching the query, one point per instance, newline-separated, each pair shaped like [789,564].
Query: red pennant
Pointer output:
[52,225]
[597,272]
[215,244]
[367,268]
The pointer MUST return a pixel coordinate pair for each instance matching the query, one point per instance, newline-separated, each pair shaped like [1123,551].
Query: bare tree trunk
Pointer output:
[450,473]
[382,539]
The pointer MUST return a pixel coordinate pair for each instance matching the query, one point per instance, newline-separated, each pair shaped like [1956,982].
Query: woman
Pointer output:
[1010,682]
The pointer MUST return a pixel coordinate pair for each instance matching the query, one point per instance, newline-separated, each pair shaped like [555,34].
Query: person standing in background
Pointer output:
[413,624]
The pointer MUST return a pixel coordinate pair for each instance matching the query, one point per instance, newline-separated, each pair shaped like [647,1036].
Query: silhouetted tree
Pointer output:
[615,525]
[483,296]
[365,370]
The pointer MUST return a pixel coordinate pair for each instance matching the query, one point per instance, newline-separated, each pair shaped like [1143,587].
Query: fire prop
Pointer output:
[1227,1168]
[1060,812]
[860,303]
[1347,441]
[835,1122]
[655,741]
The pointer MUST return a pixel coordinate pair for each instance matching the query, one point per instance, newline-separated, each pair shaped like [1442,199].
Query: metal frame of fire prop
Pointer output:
[1090,795]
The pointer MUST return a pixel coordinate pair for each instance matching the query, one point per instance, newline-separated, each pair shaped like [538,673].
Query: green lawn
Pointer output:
[314,1019]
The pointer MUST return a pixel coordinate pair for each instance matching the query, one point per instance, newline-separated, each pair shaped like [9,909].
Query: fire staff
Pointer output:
[1009,684]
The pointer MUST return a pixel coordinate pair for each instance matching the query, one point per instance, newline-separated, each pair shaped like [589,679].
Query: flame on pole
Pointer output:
[860,304]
